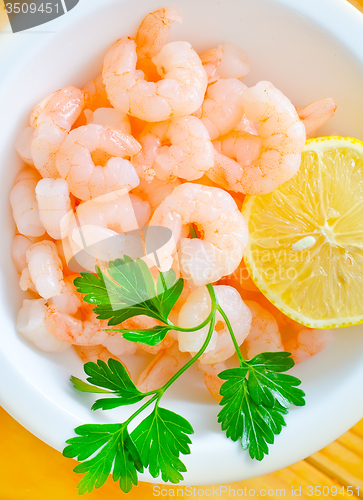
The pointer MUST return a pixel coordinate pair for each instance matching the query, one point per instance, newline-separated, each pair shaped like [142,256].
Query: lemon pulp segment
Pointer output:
[306,237]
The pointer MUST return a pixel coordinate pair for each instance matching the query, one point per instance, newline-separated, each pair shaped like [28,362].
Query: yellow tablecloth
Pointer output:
[31,470]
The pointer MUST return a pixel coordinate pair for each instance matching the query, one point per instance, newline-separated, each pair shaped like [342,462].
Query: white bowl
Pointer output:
[309,50]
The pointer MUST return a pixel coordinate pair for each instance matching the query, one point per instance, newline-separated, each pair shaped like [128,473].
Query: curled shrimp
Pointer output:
[24,203]
[109,117]
[95,95]
[179,93]
[76,164]
[54,204]
[306,342]
[162,368]
[75,331]
[152,35]
[50,121]
[224,233]
[240,146]
[156,191]
[144,161]
[264,335]
[69,300]
[19,248]
[317,113]
[90,332]
[212,382]
[45,269]
[95,235]
[186,150]
[197,309]
[222,108]
[31,324]
[225,61]
[282,138]
[118,346]
[91,354]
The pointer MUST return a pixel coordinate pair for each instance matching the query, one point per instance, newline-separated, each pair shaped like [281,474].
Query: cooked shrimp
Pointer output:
[109,117]
[19,248]
[95,95]
[54,205]
[118,346]
[69,300]
[66,327]
[186,149]
[144,161]
[65,255]
[196,310]
[305,343]
[180,93]
[211,379]
[31,325]
[23,145]
[95,246]
[50,121]
[316,114]
[121,211]
[25,282]
[24,203]
[151,37]
[282,136]
[61,108]
[161,369]
[242,147]
[264,335]
[155,191]
[77,167]
[91,354]
[94,235]
[222,108]
[45,268]
[224,231]
[225,61]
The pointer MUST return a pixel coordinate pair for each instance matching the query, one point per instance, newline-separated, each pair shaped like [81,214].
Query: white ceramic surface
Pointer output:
[309,49]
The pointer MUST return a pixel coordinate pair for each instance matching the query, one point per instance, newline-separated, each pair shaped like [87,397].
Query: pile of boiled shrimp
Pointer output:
[163,137]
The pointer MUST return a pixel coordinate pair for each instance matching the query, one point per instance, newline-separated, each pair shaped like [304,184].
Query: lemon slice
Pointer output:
[306,237]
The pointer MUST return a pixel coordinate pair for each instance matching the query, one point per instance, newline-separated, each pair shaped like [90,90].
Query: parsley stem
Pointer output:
[141,409]
[174,327]
[204,346]
[234,340]
[196,328]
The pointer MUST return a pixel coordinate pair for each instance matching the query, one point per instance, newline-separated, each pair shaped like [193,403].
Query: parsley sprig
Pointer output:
[255,396]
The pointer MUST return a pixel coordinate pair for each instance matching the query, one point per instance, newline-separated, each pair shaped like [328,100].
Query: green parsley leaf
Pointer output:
[160,438]
[117,452]
[254,425]
[266,384]
[82,386]
[112,376]
[127,289]
[255,398]
[169,290]
[151,337]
